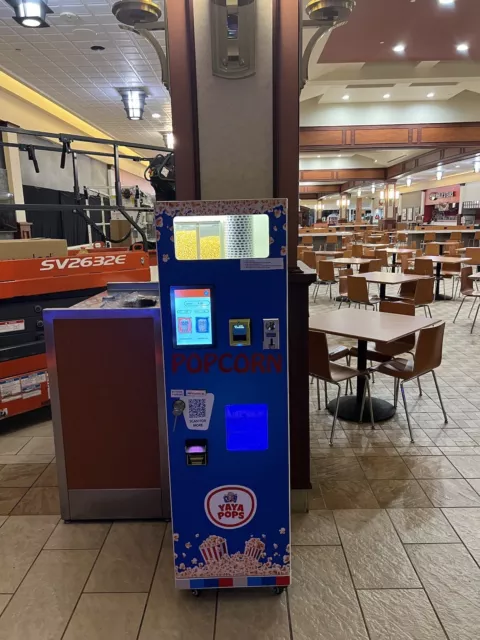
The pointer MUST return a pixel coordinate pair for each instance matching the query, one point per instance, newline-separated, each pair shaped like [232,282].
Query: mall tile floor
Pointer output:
[389,551]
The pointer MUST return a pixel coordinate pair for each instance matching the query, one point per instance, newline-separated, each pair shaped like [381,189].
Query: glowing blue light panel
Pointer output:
[247,427]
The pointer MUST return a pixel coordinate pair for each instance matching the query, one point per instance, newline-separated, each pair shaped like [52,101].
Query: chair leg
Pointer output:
[372,416]
[458,311]
[316,293]
[425,311]
[475,319]
[395,392]
[440,397]
[474,301]
[318,393]
[335,416]
[429,310]
[420,392]
[406,412]
[311,379]
[326,396]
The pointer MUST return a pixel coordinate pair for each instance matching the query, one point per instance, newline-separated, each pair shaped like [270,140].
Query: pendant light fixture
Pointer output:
[30,13]
[133,102]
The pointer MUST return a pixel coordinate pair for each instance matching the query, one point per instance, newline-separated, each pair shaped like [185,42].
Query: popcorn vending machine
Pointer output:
[223,292]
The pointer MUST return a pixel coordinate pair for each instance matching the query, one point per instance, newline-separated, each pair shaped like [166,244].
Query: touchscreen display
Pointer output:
[192,316]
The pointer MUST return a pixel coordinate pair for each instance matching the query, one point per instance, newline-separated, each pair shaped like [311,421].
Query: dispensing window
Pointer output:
[240,335]
[225,237]
[246,427]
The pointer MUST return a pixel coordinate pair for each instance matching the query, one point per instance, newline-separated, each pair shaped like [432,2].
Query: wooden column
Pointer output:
[358,210]
[286,106]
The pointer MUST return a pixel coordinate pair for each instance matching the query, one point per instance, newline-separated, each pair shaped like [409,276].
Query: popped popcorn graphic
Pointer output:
[282,531]
[194,561]
[176,537]
[188,545]
[165,257]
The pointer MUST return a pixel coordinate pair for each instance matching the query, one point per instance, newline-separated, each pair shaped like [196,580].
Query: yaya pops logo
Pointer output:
[230,507]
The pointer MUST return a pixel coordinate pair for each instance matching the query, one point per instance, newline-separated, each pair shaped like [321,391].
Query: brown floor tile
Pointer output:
[469,466]
[10,445]
[452,581]
[20,475]
[9,498]
[315,500]
[314,528]
[400,614]
[128,557]
[374,552]
[78,535]
[348,494]
[4,600]
[450,493]
[39,501]
[431,467]
[48,477]
[21,539]
[466,523]
[322,598]
[39,446]
[241,615]
[425,526]
[384,468]
[107,616]
[43,604]
[399,494]
[176,614]
[25,459]
[339,469]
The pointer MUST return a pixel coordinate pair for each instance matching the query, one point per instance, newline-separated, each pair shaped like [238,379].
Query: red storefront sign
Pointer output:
[443,195]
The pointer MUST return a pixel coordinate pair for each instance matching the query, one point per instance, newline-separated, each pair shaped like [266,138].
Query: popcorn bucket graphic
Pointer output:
[213,549]
[254,548]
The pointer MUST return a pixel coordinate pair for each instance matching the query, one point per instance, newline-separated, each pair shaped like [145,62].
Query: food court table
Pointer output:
[383,278]
[394,251]
[439,260]
[366,326]
[349,261]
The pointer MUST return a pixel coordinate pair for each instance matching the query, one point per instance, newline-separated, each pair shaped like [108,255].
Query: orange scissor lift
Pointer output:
[29,286]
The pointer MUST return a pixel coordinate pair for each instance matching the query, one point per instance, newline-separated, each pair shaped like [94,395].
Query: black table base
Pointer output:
[349,409]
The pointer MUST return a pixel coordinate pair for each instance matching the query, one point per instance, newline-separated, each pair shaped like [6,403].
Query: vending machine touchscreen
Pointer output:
[223,292]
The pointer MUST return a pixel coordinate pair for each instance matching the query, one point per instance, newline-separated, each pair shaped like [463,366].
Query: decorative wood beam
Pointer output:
[319,189]
[426,136]
[431,159]
[328,175]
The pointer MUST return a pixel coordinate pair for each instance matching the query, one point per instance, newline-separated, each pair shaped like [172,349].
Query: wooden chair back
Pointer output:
[307,240]
[348,253]
[382,255]
[357,251]
[424,293]
[430,236]
[332,239]
[408,342]
[423,267]
[474,254]
[342,283]
[456,236]
[405,266]
[325,271]
[466,283]
[300,251]
[318,358]
[357,290]
[428,354]
[309,259]
[451,249]
[368,252]
[375,265]
[432,249]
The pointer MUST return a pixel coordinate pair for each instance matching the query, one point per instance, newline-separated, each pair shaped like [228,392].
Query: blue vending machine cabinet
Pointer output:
[223,291]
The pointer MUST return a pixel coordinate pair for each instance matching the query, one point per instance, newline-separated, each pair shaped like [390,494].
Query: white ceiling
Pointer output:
[59,63]
[365,159]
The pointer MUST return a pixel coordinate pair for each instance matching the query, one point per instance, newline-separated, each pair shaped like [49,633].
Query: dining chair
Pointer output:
[325,276]
[342,285]
[474,254]
[451,272]
[357,251]
[357,291]
[364,268]
[309,258]
[427,358]
[432,249]
[423,267]
[476,238]
[382,255]
[451,249]
[456,236]
[307,240]
[402,237]
[375,265]
[322,368]
[331,239]
[467,291]
[300,251]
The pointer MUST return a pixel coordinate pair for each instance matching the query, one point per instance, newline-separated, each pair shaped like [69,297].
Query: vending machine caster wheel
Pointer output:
[278,590]
[196,593]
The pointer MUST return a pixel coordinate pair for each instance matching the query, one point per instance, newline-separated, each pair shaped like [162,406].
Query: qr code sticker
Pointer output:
[197,408]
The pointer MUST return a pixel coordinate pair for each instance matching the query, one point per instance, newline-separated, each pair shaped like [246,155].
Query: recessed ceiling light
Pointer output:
[457,166]
[339,155]
[409,182]
[430,95]
[462,47]
[30,13]
[399,48]
[346,97]
[446,3]
[386,96]
[155,115]
[376,160]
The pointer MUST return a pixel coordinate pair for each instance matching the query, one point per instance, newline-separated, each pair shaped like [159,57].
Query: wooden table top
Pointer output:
[384,277]
[352,260]
[475,276]
[368,325]
[305,268]
[329,253]
[371,245]
[400,251]
[443,242]
[445,259]
[341,234]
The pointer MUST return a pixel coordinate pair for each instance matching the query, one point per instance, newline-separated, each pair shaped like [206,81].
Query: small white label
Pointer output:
[9,389]
[261,264]
[195,393]
[31,394]
[6,326]
[198,411]
[176,393]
